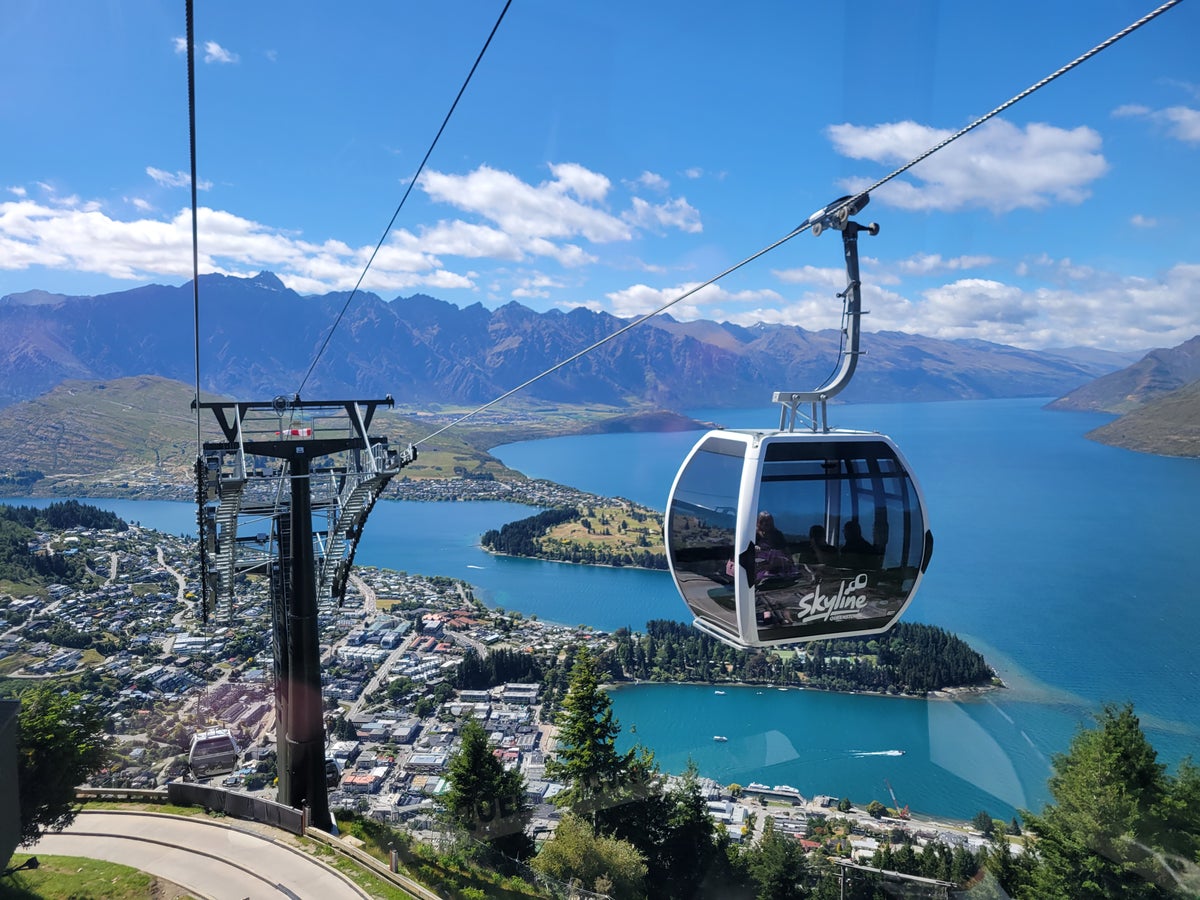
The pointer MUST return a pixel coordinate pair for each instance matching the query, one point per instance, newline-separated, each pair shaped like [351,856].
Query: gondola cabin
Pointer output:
[333,772]
[213,752]
[782,537]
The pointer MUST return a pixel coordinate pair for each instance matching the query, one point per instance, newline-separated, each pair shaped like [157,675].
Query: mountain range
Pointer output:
[258,340]
[1157,400]
[101,384]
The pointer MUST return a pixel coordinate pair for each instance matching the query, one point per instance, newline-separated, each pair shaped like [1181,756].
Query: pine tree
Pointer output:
[690,845]
[619,794]
[1105,834]
[485,798]
[777,864]
[586,758]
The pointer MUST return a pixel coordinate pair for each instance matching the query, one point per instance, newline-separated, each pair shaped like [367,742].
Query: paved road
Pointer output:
[211,860]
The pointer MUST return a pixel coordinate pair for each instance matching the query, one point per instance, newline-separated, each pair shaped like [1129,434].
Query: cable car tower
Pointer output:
[281,463]
[779,536]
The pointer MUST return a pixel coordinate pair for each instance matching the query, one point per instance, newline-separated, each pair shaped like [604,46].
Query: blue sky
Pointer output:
[615,154]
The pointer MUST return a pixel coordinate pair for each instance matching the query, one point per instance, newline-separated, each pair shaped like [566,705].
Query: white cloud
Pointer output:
[1078,305]
[998,166]
[18,191]
[677,213]
[1089,308]
[175,179]
[653,181]
[1179,122]
[552,209]
[214,52]
[1184,122]
[705,303]
[77,235]
[1140,221]
[934,263]
[583,183]
[817,276]
[541,219]
[536,286]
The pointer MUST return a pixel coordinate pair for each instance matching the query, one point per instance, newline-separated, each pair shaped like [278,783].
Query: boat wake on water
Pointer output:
[861,753]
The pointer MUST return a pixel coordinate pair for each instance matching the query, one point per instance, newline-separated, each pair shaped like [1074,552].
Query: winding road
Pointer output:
[209,859]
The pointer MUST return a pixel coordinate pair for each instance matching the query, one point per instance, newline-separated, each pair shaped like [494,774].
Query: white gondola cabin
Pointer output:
[778,537]
[333,772]
[213,752]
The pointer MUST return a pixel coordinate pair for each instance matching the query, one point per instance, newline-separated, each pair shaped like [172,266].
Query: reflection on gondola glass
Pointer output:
[701,522]
[782,537]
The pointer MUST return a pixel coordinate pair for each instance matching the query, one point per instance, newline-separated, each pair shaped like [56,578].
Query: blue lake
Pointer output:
[1069,564]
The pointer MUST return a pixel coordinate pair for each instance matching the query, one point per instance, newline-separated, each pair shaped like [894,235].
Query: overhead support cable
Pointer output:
[416,177]
[199,464]
[819,217]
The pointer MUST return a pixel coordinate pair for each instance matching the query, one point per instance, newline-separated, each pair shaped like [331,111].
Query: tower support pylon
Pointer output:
[298,434]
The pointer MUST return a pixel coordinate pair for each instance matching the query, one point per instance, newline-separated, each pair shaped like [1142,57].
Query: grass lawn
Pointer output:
[623,530]
[75,877]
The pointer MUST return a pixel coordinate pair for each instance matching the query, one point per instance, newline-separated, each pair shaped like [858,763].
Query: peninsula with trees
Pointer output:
[597,532]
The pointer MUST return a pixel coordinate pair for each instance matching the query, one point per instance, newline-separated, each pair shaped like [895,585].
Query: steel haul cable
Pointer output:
[408,190]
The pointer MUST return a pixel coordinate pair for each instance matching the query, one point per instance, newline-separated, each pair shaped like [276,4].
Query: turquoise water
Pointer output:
[1069,564]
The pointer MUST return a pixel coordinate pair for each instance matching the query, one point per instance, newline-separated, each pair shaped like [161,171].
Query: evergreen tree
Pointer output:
[60,744]
[586,759]
[617,793]
[1012,871]
[690,847]
[778,866]
[485,798]
[1107,832]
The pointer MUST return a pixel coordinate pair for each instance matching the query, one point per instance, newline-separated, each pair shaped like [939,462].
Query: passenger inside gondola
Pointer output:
[855,542]
[818,547]
[857,551]
[771,557]
[766,534]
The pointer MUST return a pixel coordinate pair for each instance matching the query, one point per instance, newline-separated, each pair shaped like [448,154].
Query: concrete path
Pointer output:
[212,860]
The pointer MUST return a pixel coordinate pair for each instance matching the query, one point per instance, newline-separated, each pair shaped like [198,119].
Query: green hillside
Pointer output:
[136,437]
[1169,426]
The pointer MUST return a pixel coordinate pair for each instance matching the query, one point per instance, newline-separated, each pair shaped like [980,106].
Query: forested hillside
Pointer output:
[21,564]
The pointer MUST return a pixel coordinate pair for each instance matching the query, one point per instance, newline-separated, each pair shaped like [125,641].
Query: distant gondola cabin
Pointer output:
[213,752]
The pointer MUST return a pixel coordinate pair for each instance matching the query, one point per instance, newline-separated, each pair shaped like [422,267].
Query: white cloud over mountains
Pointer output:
[998,166]
[511,233]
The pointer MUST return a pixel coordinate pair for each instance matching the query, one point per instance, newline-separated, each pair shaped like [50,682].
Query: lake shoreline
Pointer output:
[568,562]
[955,694]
